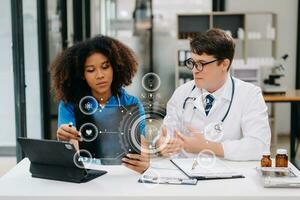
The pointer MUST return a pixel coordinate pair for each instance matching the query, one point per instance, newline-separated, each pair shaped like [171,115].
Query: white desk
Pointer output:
[121,183]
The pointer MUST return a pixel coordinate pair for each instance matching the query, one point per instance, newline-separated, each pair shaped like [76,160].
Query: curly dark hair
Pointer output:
[67,70]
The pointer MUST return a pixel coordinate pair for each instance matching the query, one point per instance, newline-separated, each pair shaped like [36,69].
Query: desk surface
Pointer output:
[121,183]
[289,96]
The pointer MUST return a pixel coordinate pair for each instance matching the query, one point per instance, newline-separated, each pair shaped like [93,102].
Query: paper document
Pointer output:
[165,173]
[205,169]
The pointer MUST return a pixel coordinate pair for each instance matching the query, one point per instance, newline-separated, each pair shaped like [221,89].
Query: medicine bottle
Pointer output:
[266,160]
[281,158]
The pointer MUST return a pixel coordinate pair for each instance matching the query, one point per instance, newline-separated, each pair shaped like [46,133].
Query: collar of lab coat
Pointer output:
[227,90]
[224,92]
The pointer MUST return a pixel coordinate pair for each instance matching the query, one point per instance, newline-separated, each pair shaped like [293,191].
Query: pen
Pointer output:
[195,163]
[71,125]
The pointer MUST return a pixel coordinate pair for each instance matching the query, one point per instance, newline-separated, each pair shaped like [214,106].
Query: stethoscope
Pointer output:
[217,126]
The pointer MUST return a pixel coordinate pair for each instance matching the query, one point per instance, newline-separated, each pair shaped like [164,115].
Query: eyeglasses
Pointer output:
[190,64]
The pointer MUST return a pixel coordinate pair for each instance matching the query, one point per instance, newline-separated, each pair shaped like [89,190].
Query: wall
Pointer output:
[7,102]
[287,12]
[33,105]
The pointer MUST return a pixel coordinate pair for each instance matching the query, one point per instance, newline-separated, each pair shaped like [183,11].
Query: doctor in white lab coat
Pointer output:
[215,111]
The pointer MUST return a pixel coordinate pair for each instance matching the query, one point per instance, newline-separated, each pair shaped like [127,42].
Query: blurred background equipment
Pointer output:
[277,71]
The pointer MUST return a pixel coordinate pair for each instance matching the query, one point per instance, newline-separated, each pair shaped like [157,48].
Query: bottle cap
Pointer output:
[266,153]
[281,151]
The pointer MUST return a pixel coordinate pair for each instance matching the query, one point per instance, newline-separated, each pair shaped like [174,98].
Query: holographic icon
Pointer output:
[214,132]
[151,121]
[206,159]
[151,130]
[89,132]
[88,105]
[151,82]
[82,158]
[152,176]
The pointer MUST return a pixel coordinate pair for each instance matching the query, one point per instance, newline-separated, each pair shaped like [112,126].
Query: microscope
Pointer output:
[277,71]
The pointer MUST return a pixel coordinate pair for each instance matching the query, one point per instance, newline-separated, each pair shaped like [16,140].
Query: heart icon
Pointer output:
[88,132]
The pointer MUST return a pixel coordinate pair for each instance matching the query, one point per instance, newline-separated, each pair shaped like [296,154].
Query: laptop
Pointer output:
[51,159]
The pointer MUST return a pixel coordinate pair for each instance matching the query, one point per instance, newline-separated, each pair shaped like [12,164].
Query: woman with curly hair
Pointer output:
[99,67]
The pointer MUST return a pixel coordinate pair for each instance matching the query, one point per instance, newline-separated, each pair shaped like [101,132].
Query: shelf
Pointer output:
[190,25]
[229,22]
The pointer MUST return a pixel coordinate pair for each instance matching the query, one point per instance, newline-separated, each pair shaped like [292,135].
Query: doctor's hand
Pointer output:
[193,143]
[197,143]
[138,162]
[168,146]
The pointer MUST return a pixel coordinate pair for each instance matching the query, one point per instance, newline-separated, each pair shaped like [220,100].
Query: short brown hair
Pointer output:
[67,70]
[215,42]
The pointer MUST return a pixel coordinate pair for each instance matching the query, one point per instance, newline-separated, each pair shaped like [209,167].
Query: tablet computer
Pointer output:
[57,160]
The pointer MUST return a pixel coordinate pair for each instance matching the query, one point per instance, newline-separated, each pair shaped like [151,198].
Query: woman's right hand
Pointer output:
[67,132]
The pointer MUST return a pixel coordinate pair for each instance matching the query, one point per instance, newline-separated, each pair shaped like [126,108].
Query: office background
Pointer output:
[34,31]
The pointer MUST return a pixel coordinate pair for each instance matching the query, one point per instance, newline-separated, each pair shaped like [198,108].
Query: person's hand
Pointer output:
[193,143]
[197,143]
[138,162]
[169,146]
[67,132]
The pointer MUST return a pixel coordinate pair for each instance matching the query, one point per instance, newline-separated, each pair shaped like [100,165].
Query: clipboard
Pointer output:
[183,164]
[165,173]
[167,180]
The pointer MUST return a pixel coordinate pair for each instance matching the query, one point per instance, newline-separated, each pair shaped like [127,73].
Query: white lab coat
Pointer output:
[246,129]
